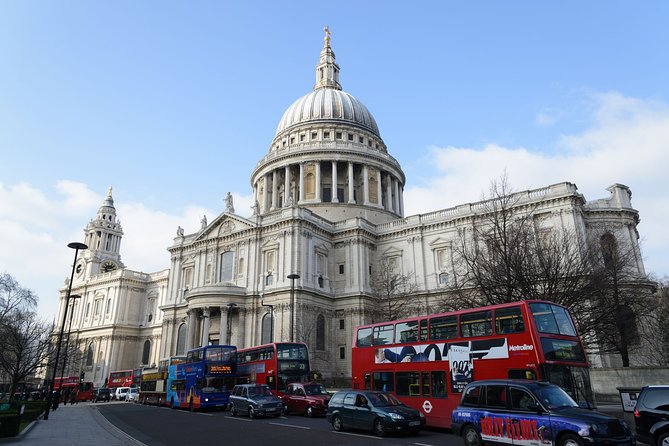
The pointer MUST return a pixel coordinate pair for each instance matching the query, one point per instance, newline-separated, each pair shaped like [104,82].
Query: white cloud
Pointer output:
[627,142]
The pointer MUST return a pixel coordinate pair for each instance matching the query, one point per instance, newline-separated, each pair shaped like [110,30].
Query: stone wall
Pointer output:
[605,381]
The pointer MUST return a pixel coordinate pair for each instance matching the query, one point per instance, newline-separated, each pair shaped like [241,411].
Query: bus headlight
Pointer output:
[206,400]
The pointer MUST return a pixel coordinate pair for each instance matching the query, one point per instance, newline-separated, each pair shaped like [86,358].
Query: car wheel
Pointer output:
[285,409]
[310,411]
[570,440]
[252,413]
[233,411]
[471,436]
[663,440]
[337,423]
[379,428]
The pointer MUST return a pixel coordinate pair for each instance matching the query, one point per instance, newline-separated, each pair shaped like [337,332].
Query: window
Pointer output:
[108,308]
[320,281]
[472,396]
[383,334]
[88,309]
[443,279]
[181,339]
[314,135]
[266,335]
[96,306]
[342,324]
[495,396]
[408,384]
[89,355]
[342,352]
[188,277]
[320,332]
[364,337]
[146,352]
[522,374]
[509,320]
[439,384]
[269,279]
[361,139]
[609,249]
[226,266]
[338,135]
[406,332]
[350,136]
[445,327]
[476,324]
[302,136]
[326,135]
[552,319]
[341,269]
[520,399]
[383,381]
[292,140]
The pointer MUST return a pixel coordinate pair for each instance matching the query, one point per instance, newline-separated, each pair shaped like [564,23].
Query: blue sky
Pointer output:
[173,103]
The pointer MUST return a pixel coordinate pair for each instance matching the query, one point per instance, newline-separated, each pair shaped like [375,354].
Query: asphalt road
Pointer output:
[155,426]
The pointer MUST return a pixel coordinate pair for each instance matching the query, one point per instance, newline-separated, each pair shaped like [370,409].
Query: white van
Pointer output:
[120,393]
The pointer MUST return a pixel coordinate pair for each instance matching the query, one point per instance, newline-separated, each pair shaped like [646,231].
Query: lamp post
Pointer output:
[76,246]
[67,341]
[292,278]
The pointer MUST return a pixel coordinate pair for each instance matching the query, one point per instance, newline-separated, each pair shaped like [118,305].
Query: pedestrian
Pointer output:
[73,397]
[55,399]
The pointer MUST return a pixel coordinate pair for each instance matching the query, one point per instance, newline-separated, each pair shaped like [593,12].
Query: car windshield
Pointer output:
[259,391]
[314,389]
[383,399]
[554,397]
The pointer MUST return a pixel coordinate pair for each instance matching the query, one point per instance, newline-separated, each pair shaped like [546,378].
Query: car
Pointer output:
[380,412]
[309,399]
[532,412]
[120,393]
[651,415]
[255,400]
[132,395]
[101,394]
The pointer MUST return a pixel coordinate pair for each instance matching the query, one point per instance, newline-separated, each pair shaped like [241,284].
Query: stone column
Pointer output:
[397,195]
[379,189]
[318,181]
[389,192]
[301,183]
[402,201]
[286,187]
[365,185]
[223,337]
[275,189]
[335,199]
[351,183]
[192,320]
[205,326]
[241,328]
[265,193]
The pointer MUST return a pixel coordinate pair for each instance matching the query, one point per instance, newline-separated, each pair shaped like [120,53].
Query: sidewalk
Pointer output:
[78,425]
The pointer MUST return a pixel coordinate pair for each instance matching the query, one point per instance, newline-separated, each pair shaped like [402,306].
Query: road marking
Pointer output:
[423,444]
[291,425]
[205,414]
[357,435]
[239,419]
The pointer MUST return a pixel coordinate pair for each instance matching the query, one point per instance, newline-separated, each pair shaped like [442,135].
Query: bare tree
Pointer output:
[393,290]
[14,297]
[26,346]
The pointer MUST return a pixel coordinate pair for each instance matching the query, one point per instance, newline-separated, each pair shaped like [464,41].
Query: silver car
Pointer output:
[255,400]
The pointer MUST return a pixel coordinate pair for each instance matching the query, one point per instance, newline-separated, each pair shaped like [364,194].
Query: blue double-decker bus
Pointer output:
[204,380]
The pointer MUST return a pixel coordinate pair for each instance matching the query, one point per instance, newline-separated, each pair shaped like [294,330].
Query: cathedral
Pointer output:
[328,211]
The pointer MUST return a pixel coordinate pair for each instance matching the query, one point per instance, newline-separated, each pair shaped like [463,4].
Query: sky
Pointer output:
[173,104]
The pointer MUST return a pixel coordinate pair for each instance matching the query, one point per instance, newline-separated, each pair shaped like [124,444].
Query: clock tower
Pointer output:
[103,237]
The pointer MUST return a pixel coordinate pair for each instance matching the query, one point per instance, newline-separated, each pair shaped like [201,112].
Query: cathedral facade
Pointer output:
[328,211]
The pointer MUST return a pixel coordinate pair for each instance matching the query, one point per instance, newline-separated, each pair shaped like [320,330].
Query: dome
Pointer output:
[331,105]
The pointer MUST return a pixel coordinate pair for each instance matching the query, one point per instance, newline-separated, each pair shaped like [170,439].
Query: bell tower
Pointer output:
[103,236]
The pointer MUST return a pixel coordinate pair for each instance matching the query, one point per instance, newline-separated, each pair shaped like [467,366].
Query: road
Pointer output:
[155,426]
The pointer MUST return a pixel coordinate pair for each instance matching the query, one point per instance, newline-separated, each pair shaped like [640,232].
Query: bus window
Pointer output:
[509,320]
[445,327]
[406,332]
[383,381]
[476,324]
[407,384]
[364,337]
[552,319]
[423,329]
[425,383]
[383,334]
[439,384]
[522,374]
[368,381]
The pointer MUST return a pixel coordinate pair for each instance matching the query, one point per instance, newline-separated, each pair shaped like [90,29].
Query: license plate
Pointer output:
[414,423]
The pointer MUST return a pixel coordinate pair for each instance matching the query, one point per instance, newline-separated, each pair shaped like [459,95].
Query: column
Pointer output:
[192,318]
[265,193]
[301,183]
[397,195]
[389,192]
[286,188]
[318,181]
[351,182]
[335,199]
[241,328]
[275,189]
[379,188]
[402,201]
[365,185]
[223,337]
[205,326]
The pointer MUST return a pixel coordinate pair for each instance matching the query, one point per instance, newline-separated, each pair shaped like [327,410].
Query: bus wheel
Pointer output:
[190,405]
[337,424]
[379,428]
[173,406]
[310,411]
[570,440]
[471,436]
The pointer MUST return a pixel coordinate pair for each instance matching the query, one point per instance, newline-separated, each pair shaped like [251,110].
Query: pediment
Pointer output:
[392,252]
[440,242]
[223,225]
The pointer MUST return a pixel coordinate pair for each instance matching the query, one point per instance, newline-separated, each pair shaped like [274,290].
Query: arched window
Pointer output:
[630,326]
[609,249]
[226,266]
[181,339]
[89,355]
[88,309]
[320,332]
[108,309]
[266,335]
[146,352]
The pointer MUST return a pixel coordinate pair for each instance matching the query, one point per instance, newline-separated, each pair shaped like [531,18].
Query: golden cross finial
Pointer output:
[327,36]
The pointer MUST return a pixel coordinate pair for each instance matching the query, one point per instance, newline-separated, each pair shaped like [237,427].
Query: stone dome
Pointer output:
[328,104]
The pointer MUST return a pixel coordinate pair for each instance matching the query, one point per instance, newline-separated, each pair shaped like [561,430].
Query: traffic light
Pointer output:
[81,377]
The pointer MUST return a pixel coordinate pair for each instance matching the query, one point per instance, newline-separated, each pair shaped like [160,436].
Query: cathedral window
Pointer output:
[302,136]
[266,335]
[338,135]
[88,309]
[320,332]
[320,281]
[270,261]
[96,307]
[188,278]
[609,249]
[369,142]
[443,279]
[342,352]
[292,140]
[326,135]
[361,139]
[181,339]
[342,324]
[314,135]
[89,355]
[341,268]
[350,136]
[226,266]
[108,307]
[146,352]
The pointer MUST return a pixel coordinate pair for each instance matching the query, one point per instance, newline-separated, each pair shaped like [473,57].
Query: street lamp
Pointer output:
[292,278]
[67,341]
[76,246]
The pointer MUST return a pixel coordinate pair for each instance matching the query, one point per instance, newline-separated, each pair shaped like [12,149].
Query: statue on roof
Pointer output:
[204,221]
[228,204]
[327,36]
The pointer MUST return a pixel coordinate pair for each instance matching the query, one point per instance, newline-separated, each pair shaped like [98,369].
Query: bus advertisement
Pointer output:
[427,361]
[153,388]
[83,389]
[204,380]
[276,365]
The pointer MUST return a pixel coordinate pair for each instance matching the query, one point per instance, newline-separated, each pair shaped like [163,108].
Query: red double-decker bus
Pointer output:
[83,389]
[276,365]
[427,361]
[125,378]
